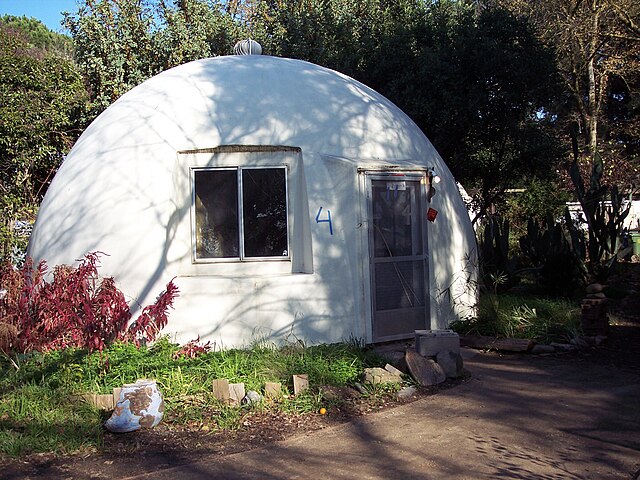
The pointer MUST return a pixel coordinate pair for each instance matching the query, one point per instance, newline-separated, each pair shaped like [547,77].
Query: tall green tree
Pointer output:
[121,43]
[42,98]
[39,36]
[466,78]
[113,47]
[195,29]
[597,51]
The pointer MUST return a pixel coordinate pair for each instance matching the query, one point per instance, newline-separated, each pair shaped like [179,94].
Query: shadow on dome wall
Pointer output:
[115,193]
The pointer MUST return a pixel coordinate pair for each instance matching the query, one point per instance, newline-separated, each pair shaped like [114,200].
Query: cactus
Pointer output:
[557,252]
[494,252]
[604,222]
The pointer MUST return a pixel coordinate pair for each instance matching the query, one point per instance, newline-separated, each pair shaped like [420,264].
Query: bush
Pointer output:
[76,308]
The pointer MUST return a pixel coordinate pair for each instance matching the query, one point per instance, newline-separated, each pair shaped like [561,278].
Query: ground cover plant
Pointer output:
[40,410]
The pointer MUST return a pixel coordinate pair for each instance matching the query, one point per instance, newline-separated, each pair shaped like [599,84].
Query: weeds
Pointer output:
[540,319]
[40,411]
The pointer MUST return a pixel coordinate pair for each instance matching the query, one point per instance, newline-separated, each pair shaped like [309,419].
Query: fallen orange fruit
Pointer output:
[323,411]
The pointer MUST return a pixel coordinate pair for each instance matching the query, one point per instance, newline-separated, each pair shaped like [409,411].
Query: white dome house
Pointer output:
[286,199]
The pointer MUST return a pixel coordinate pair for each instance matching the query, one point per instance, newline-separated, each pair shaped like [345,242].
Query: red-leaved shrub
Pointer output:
[76,308]
[192,349]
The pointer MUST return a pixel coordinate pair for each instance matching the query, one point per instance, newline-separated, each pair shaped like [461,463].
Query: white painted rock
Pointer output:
[140,405]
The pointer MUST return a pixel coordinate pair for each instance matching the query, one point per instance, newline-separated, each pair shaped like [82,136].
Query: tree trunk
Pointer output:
[592,87]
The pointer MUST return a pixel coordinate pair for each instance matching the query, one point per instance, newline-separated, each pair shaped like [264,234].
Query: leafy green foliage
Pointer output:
[507,315]
[40,411]
[557,252]
[113,47]
[39,36]
[119,44]
[43,97]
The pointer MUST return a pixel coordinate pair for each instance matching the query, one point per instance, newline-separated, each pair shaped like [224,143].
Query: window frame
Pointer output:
[241,258]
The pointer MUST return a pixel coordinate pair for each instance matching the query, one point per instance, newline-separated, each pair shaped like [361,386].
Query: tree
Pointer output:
[43,99]
[195,29]
[113,47]
[39,36]
[465,78]
[121,43]
[597,50]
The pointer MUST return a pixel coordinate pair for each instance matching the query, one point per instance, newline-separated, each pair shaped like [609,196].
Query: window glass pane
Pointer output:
[216,206]
[264,207]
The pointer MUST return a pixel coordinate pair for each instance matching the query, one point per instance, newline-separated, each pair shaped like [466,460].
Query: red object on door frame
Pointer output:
[432,214]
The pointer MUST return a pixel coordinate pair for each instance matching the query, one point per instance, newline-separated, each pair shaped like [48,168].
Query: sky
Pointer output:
[47,11]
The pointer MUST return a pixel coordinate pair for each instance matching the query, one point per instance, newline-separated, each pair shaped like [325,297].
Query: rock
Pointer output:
[600,339]
[380,375]
[594,288]
[540,349]
[406,392]
[563,347]
[580,342]
[596,295]
[360,388]
[425,371]
[391,369]
[451,363]
[140,405]
[251,398]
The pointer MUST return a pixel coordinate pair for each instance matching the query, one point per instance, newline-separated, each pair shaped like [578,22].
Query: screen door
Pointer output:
[397,252]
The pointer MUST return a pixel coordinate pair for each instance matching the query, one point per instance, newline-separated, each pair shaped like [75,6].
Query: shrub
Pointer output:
[76,308]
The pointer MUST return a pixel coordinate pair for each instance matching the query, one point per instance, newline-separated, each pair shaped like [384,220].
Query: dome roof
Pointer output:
[119,190]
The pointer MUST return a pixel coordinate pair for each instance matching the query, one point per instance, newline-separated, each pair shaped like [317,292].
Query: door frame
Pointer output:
[366,183]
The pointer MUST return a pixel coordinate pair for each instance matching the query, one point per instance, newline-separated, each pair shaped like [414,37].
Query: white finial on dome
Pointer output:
[247,47]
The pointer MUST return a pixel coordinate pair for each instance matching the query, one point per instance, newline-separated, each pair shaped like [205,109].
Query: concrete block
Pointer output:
[103,402]
[116,395]
[300,383]
[430,342]
[451,363]
[273,389]
[221,389]
[236,393]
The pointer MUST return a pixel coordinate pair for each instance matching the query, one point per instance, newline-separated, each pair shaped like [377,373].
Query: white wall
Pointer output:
[120,192]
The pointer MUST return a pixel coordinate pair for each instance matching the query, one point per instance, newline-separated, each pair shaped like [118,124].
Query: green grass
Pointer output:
[40,410]
[541,319]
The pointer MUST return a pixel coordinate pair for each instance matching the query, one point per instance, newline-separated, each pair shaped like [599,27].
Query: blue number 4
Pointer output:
[325,220]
